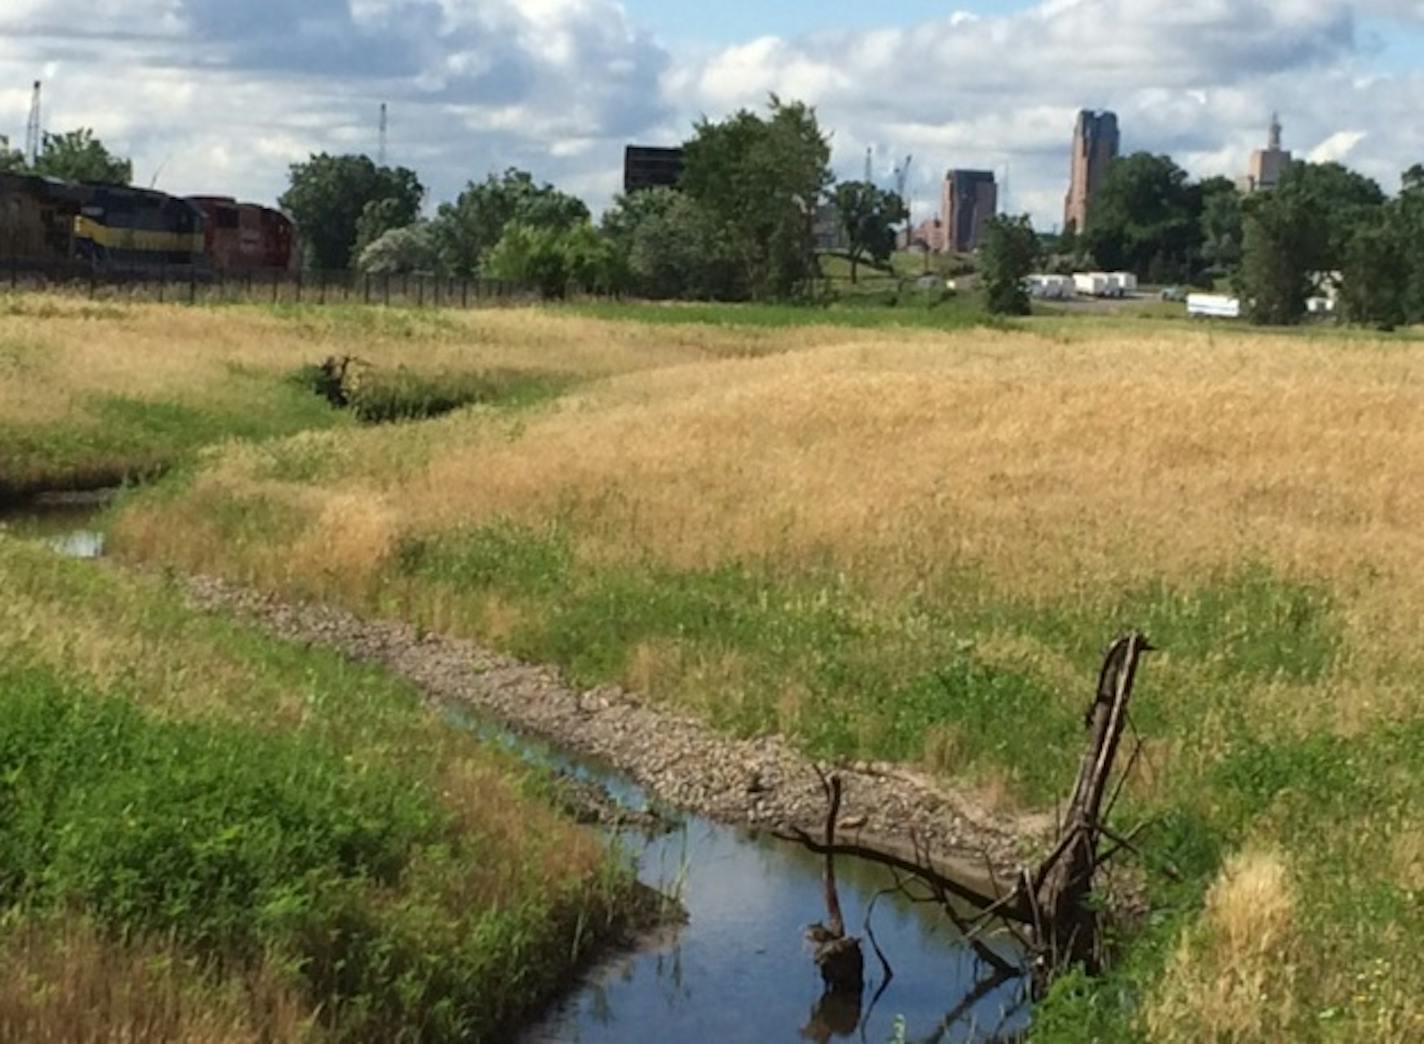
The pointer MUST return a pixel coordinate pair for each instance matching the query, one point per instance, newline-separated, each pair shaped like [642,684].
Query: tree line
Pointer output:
[1321,228]
[739,226]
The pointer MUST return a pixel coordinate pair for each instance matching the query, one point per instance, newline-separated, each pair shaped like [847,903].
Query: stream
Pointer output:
[738,969]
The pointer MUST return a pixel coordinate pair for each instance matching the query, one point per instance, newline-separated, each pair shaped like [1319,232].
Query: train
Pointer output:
[50,224]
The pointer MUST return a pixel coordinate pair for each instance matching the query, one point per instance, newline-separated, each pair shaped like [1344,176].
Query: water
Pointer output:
[67,522]
[738,970]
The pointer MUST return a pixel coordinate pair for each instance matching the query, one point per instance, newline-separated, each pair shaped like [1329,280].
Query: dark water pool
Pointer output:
[738,970]
[67,522]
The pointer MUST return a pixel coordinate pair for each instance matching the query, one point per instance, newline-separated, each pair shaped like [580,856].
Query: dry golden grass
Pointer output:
[1232,977]
[55,353]
[61,983]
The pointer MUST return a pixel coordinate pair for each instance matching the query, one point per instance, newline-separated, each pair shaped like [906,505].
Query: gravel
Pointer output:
[762,783]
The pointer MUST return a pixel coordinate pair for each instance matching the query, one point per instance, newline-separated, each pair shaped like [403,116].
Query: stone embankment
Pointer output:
[762,783]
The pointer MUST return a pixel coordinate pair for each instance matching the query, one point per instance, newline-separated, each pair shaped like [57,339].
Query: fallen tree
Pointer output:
[1054,911]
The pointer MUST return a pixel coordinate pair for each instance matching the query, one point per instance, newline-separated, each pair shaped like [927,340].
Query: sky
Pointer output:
[221,96]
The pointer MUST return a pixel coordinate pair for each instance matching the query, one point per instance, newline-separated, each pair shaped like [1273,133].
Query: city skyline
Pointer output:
[216,100]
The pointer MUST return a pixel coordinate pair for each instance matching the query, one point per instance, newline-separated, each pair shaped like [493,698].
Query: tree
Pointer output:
[468,229]
[1335,201]
[1375,280]
[1280,248]
[12,161]
[666,246]
[402,251]
[1009,253]
[553,260]
[1145,215]
[79,156]
[1410,211]
[869,215]
[380,216]
[329,194]
[759,181]
[1220,223]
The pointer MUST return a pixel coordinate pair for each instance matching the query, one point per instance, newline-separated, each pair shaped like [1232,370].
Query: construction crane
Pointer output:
[902,176]
[32,129]
[381,147]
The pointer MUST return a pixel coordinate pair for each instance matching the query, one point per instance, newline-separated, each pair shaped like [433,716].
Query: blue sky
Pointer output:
[220,96]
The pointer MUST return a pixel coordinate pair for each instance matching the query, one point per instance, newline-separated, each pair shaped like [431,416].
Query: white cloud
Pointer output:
[224,94]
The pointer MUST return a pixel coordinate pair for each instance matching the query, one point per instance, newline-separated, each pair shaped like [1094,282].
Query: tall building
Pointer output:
[1268,164]
[1095,145]
[970,198]
[648,167]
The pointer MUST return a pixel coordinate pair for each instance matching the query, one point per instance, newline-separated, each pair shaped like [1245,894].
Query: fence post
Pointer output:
[299,288]
[388,290]
[275,277]
[464,293]
[420,291]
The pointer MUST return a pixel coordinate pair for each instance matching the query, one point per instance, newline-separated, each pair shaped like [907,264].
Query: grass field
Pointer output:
[217,836]
[913,544]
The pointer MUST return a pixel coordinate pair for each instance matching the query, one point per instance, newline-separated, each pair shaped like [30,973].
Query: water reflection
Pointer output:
[66,523]
[739,970]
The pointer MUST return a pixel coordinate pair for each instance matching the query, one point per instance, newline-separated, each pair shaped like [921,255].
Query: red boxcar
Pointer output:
[245,237]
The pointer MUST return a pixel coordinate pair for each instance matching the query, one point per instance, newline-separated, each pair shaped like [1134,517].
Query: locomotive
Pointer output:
[118,229]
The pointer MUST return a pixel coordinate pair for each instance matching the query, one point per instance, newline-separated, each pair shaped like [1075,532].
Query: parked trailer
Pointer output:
[1214,306]
[1049,287]
[1090,284]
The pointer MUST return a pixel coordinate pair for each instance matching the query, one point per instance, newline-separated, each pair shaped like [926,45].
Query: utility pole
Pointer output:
[869,171]
[381,148]
[32,129]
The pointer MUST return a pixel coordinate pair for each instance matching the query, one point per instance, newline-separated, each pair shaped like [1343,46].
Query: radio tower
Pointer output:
[32,129]
[381,148]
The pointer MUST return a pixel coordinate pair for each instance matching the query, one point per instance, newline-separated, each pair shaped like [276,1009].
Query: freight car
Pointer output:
[246,237]
[123,229]
[37,218]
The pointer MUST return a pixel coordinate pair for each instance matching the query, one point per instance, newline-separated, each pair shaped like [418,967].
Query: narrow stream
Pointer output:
[738,969]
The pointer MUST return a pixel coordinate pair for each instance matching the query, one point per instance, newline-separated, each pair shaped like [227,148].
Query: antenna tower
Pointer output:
[869,171]
[381,148]
[32,129]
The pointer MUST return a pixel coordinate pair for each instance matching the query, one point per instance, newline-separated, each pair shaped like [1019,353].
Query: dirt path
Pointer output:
[762,783]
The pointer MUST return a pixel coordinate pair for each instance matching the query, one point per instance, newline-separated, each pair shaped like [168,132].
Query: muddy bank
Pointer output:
[761,783]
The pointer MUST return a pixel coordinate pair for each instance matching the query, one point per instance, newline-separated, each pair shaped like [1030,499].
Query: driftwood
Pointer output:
[1053,910]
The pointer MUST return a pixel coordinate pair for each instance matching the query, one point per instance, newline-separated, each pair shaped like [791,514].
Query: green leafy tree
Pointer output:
[12,161]
[869,215]
[1410,210]
[1336,201]
[759,180]
[329,195]
[469,228]
[380,216]
[79,156]
[553,260]
[402,251]
[1006,259]
[1281,245]
[1376,276]
[667,247]
[1221,230]
[1145,216]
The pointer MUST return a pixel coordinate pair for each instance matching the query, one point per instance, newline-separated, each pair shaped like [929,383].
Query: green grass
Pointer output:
[882,685]
[908,310]
[163,802]
[135,439]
